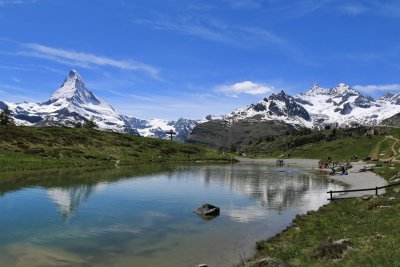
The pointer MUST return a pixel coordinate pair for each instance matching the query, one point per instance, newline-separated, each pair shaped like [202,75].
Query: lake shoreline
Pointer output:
[355,179]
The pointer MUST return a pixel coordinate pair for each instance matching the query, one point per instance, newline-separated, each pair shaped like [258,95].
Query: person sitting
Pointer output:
[363,169]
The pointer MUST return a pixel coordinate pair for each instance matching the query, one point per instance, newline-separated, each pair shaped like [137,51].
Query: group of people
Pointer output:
[335,166]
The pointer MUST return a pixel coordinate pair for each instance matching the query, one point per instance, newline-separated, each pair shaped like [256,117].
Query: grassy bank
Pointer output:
[24,148]
[371,227]
[352,232]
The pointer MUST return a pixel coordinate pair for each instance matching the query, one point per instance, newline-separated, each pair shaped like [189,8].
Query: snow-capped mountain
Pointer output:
[159,128]
[73,103]
[68,105]
[343,105]
[276,107]
[338,106]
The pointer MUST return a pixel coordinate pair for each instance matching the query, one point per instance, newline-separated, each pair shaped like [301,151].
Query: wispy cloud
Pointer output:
[240,4]
[245,87]
[203,29]
[212,30]
[16,80]
[82,59]
[353,9]
[16,2]
[379,87]
[389,8]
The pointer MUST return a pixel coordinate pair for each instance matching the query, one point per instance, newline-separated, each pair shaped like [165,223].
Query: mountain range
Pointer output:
[317,108]
[73,103]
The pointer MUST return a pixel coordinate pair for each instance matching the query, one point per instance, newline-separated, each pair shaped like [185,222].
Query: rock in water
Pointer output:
[207,210]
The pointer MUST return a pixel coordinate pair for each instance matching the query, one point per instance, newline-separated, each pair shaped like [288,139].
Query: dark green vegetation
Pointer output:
[49,147]
[351,232]
[221,134]
[5,117]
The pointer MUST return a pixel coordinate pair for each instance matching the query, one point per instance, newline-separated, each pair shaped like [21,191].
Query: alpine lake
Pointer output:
[143,215]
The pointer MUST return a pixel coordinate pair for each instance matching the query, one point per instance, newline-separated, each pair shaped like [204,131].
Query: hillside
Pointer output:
[341,145]
[46,147]
[220,134]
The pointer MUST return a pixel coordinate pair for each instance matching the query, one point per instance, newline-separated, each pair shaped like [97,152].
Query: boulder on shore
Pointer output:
[207,210]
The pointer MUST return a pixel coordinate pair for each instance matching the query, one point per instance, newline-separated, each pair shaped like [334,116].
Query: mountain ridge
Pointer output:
[341,106]
[73,103]
[280,113]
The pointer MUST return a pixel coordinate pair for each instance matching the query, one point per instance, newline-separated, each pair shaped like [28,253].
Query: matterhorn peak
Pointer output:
[74,90]
[73,74]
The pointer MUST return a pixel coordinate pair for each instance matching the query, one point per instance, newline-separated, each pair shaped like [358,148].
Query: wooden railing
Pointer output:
[359,190]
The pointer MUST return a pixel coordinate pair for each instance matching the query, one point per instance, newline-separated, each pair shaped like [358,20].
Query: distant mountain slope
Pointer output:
[344,106]
[222,134]
[159,128]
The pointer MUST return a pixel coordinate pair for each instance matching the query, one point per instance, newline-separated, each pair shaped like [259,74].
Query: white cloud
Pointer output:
[86,60]
[381,87]
[245,87]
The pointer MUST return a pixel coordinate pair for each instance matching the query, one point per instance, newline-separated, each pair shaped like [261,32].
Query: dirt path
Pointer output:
[374,154]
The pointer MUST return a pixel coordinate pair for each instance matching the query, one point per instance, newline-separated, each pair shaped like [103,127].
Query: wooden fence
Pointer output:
[359,190]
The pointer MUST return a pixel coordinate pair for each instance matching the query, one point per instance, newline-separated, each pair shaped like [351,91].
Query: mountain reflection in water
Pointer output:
[143,215]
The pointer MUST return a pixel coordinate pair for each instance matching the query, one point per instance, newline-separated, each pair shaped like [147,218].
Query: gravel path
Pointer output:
[360,180]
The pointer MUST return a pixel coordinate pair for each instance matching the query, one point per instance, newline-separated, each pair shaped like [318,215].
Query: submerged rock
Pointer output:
[207,210]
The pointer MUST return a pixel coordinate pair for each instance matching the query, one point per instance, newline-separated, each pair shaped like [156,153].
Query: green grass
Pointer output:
[49,147]
[339,150]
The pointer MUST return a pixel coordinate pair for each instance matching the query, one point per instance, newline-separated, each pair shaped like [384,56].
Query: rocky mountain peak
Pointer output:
[391,98]
[74,90]
[316,89]
[73,74]
[343,89]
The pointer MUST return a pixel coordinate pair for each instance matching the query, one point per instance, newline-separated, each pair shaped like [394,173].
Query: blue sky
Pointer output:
[171,59]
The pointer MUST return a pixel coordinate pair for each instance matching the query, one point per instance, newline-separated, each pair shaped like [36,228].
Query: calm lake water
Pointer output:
[143,216]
